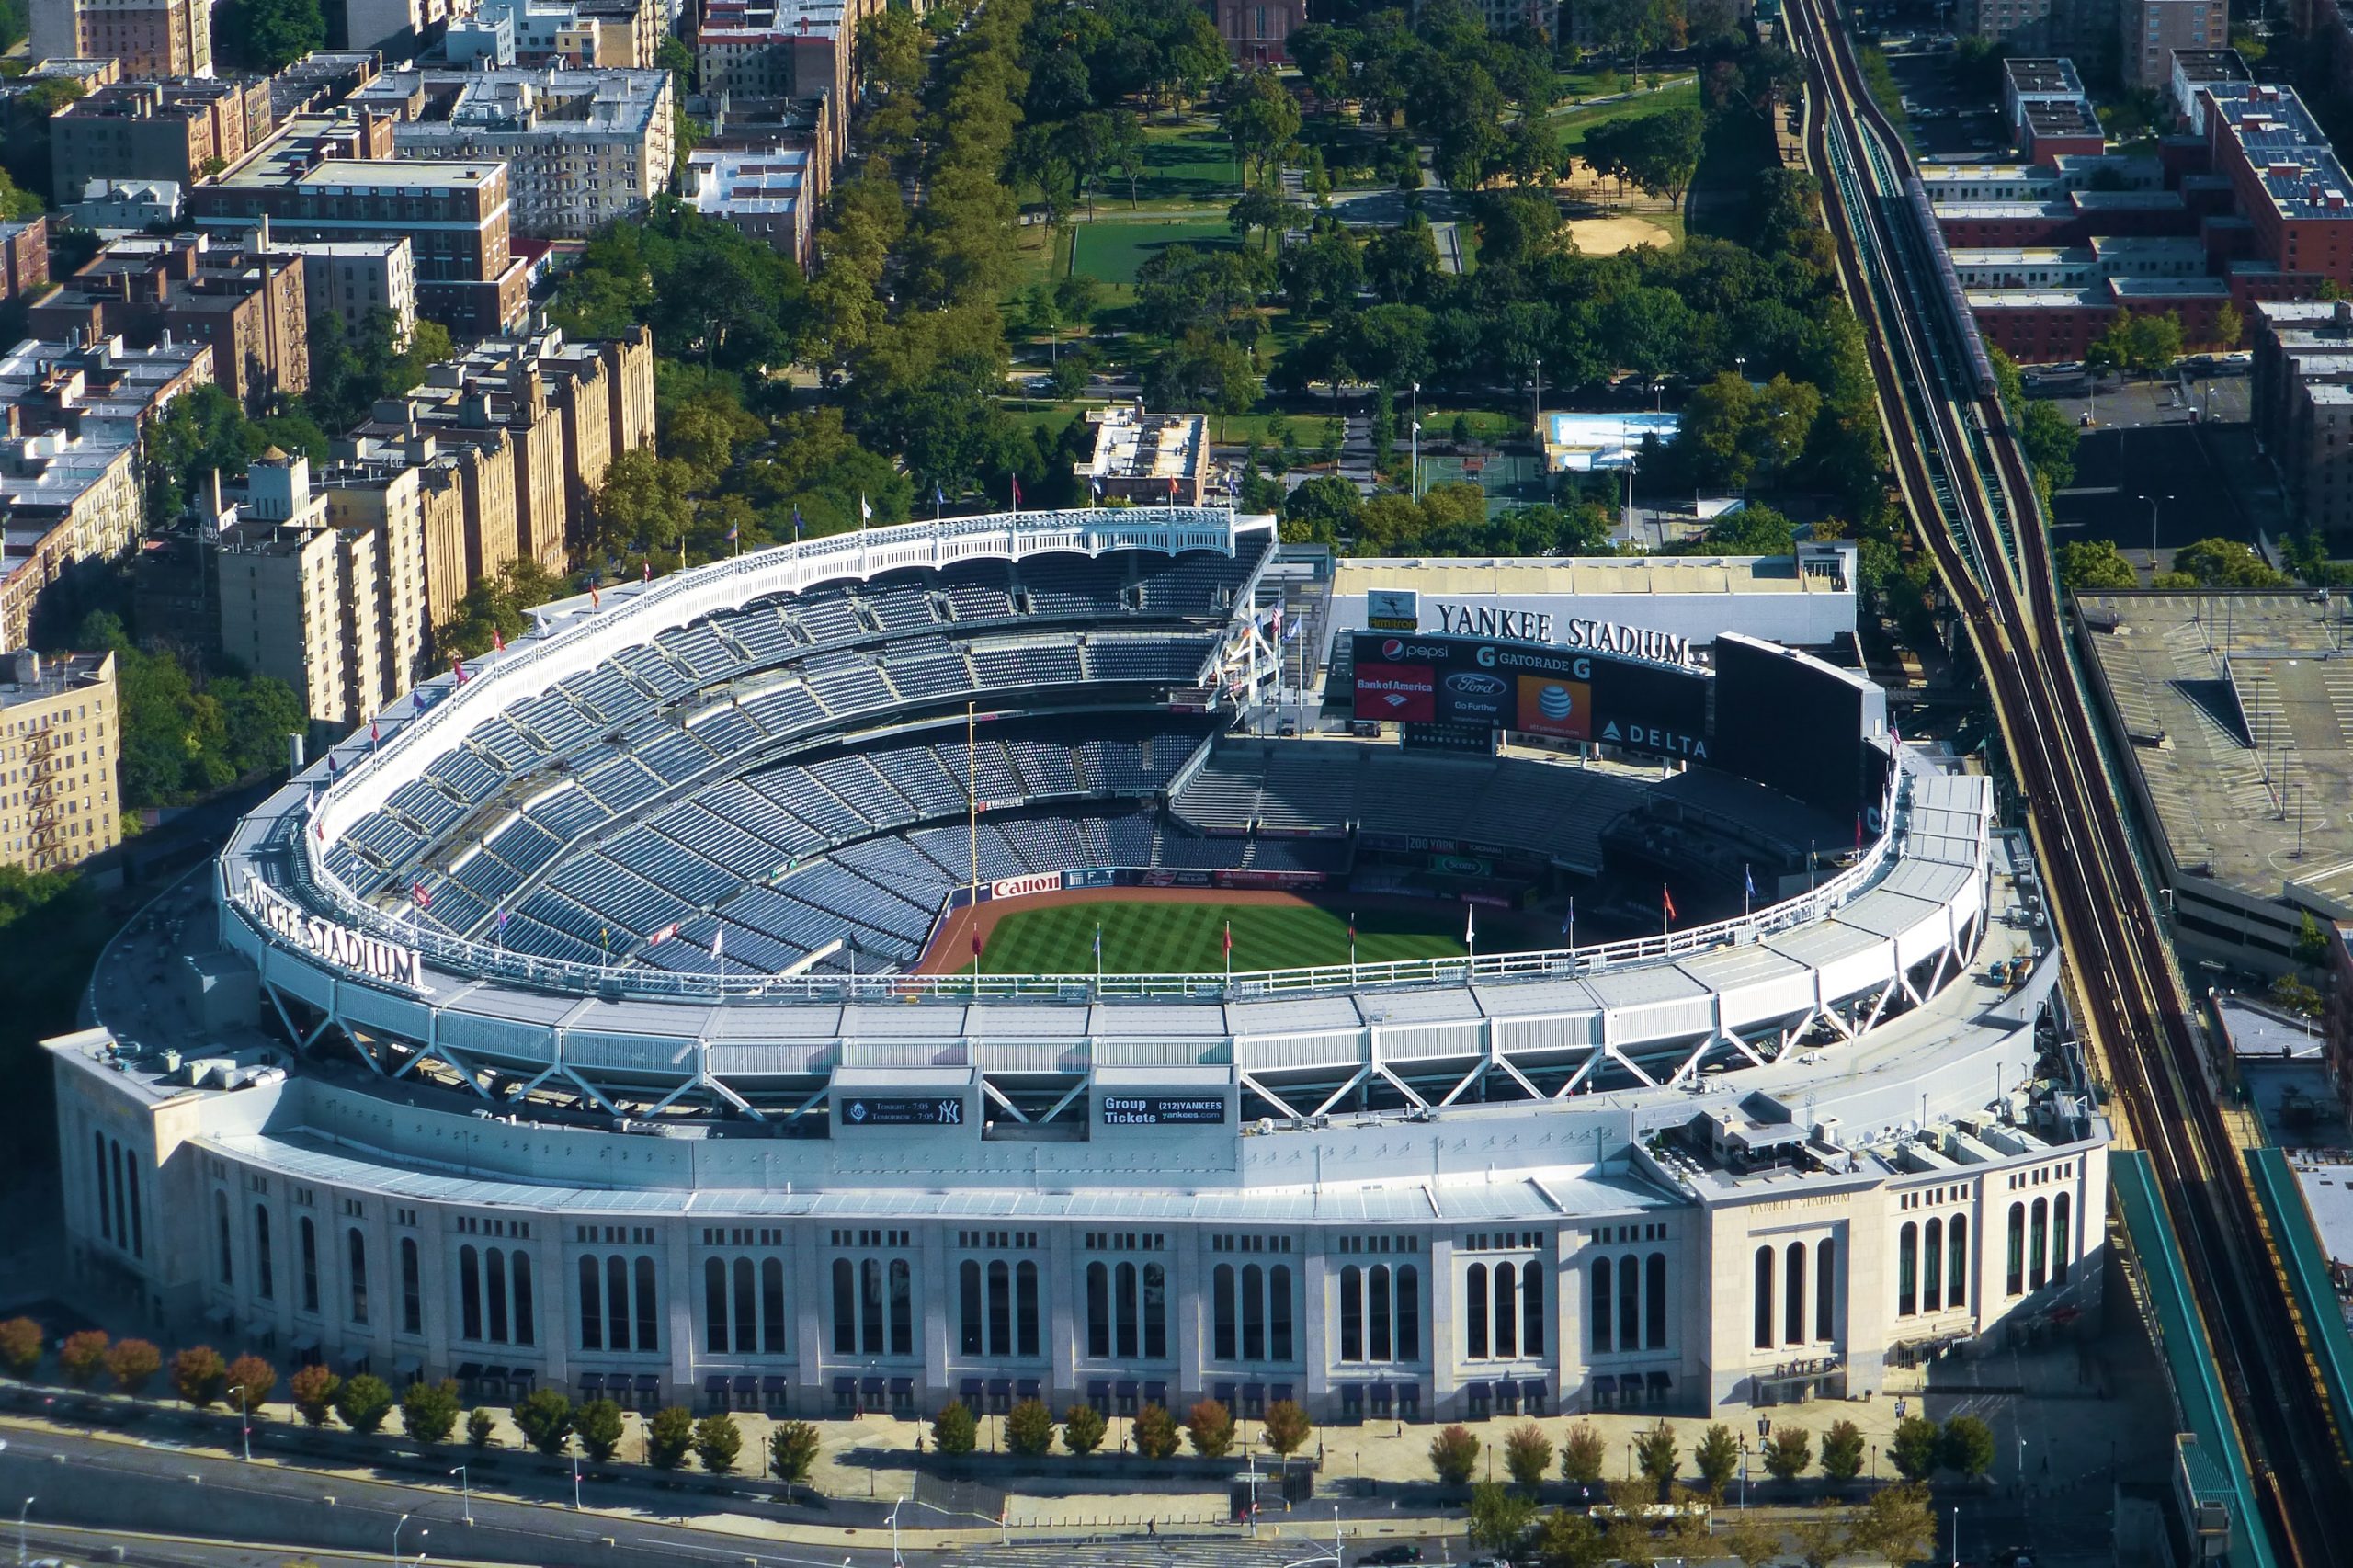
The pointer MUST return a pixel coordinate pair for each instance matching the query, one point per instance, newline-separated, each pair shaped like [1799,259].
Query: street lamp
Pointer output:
[395,1559]
[466,1487]
[244,1424]
[896,1561]
[1415,482]
[421,1534]
[2153,501]
[22,1514]
[576,1483]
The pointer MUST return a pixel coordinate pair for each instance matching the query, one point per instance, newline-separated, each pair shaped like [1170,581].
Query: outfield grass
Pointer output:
[1576,122]
[1149,937]
[1112,251]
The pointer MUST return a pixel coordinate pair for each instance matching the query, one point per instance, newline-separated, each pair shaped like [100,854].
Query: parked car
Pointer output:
[1403,1552]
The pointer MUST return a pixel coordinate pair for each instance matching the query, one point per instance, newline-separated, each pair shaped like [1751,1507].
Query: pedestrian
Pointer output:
[1152,1526]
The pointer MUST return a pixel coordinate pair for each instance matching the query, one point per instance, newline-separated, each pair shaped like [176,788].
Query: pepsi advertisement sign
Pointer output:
[1564,693]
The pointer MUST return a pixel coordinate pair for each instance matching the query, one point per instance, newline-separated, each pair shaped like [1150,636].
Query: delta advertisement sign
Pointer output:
[338,944]
[1565,693]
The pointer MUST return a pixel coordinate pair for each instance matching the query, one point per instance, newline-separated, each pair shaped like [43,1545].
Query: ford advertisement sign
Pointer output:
[1475,696]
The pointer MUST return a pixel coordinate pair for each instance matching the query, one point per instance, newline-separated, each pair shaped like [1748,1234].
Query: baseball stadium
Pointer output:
[1047,954]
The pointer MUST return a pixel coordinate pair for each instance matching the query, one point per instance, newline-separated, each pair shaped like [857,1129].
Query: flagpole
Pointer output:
[973,809]
[1748,889]
[1098,955]
[1352,947]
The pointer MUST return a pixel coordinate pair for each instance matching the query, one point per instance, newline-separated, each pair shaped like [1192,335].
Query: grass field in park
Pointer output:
[1111,250]
[1143,936]
[1193,162]
[1577,121]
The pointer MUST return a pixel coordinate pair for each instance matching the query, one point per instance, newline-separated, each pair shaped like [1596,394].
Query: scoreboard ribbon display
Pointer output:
[1533,689]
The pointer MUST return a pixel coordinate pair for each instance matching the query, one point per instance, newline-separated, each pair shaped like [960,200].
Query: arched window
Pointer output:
[1826,1290]
[1222,1343]
[1630,1304]
[649,1308]
[220,1234]
[1907,1270]
[265,1265]
[98,1158]
[1025,1310]
[1352,1314]
[747,1325]
[138,1216]
[869,1306]
[772,1306]
[2038,1245]
[1761,1285]
[121,1211]
[1000,1308]
[1379,1344]
[1279,1312]
[1932,1246]
[526,1323]
[1531,1311]
[1098,1309]
[469,1293]
[494,1286]
[1253,1312]
[616,1302]
[844,1307]
[714,1306]
[1653,1300]
[412,1288]
[1794,1291]
[1156,1312]
[1124,1336]
[1409,1312]
[1506,1319]
[1474,1317]
[354,1246]
[592,1310]
[968,1301]
[2015,1270]
[902,1308]
[2059,1239]
[1957,1262]
[306,1239]
[1598,1275]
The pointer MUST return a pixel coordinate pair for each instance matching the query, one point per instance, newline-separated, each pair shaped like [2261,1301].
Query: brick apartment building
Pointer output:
[251,308]
[2302,406]
[783,49]
[24,257]
[179,131]
[61,744]
[2149,32]
[145,38]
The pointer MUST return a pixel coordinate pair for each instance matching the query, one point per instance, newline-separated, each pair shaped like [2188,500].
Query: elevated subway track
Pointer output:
[1963,475]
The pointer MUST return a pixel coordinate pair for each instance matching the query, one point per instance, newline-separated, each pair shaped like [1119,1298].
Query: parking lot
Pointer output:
[1947,124]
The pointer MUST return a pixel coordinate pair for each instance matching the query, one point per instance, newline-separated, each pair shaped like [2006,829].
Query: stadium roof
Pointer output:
[1582,575]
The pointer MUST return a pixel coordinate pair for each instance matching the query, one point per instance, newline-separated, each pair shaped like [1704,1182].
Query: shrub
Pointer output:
[1499,1516]
[717,1442]
[482,1429]
[1527,1454]
[1082,1428]
[1718,1457]
[1156,1432]
[1913,1450]
[669,1437]
[1788,1452]
[1029,1429]
[599,1426]
[20,1345]
[1286,1427]
[1966,1447]
[363,1402]
[82,1356]
[313,1388]
[251,1377]
[133,1364]
[792,1451]
[429,1412]
[1454,1453]
[544,1417]
[1582,1452]
[198,1373]
[1655,1456]
[954,1429]
[1210,1426]
[1842,1450]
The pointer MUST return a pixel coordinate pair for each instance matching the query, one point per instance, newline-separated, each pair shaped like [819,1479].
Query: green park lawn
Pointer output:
[1576,122]
[1193,162]
[1112,250]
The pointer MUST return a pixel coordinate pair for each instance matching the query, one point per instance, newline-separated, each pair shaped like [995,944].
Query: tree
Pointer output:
[1569,1538]
[1754,1542]
[1082,1428]
[2229,326]
[1030,1428]
[1255,211]
[2085,565]
[669,1437]
[1527,1454]
[133,1364]
[1914,1450]
[718,1442]
[544,1418]
[1842,1450]
[314,1390]
[2155,341]
[429,1411]
[1820,1542]
[953,1428]
[82,1356]
[1661,151]
[597,1424]
[1262,121]
[1788,1452]
[1499,1517]
[198,1374]
[1966,1447]
[1656,1456]
[2226,564]
[20,1345]
[251,1377]
[481,1429]
[1286,1427]
[1211,1426]
[1583,1451]
[1894,1522]
[1718,1456]
[267,35]
[1156,1433]
[792,1452]
[1454,1453]
[1322,509]
[1205,373]
[363,1402]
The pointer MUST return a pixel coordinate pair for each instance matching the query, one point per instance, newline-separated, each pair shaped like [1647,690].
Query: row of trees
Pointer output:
[1209,1427]
[1963,1445]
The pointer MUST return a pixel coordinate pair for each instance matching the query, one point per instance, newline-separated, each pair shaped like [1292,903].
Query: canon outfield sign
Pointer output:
[370,956]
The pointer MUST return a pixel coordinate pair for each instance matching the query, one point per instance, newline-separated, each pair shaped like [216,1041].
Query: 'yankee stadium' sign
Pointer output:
[338,944]
[1536,626]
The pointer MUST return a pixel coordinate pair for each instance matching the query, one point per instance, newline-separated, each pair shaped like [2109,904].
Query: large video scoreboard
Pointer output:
[1577,694]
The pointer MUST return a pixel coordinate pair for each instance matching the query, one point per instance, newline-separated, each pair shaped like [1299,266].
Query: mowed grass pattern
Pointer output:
[1148,937]
[1114,250]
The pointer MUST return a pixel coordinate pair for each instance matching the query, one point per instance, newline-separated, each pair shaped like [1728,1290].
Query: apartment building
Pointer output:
[146,38]
[303,600]
[2026,25]
[24,257]
[250,307]
[352,280]
[115,207]
[614,33]
[1158,460]
[396,27]
[61,744]
[1258,31]
[65,496]
[764,195]
[2302,405]
[2149,32]
[583,147]
[103,388]
[772,127]
[181,130]
[334,176]
[383,481]
[788,48]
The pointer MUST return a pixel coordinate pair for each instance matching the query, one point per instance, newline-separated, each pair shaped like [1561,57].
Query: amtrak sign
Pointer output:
[370,956]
